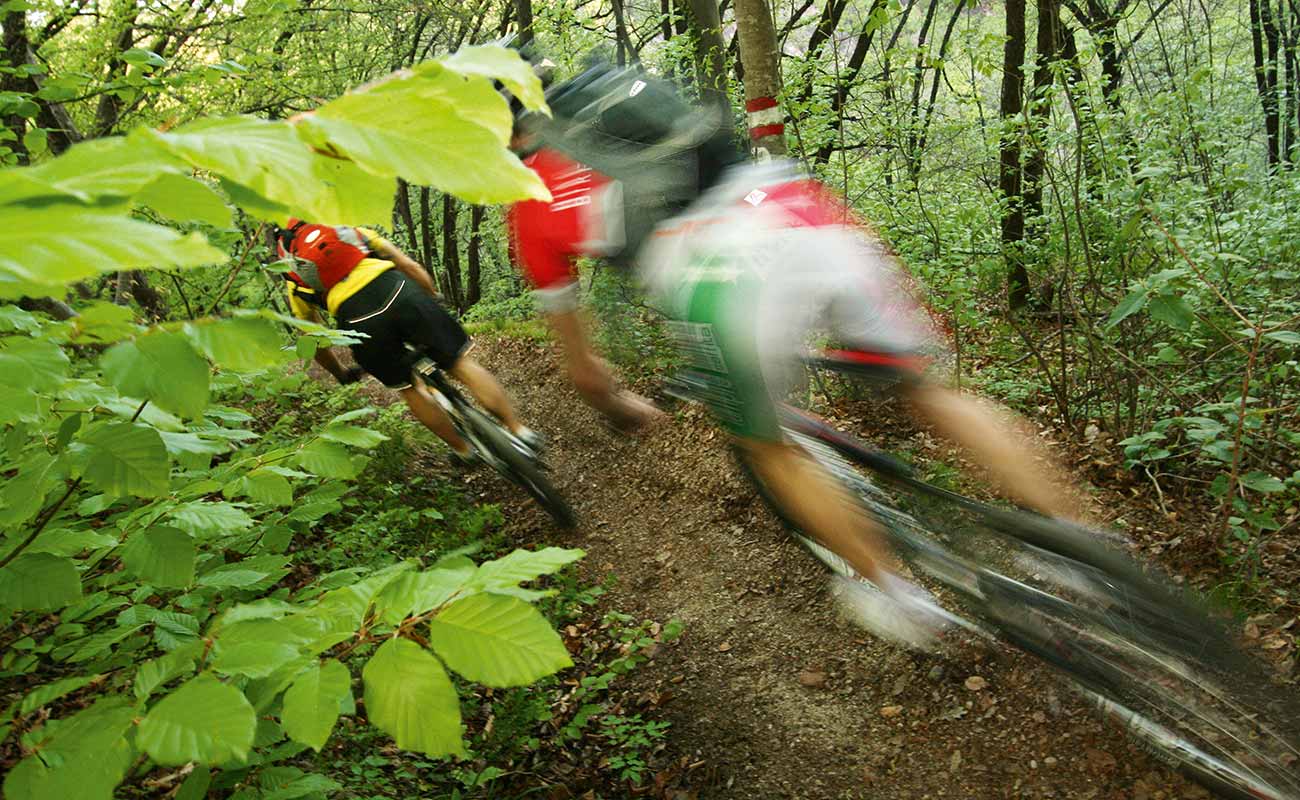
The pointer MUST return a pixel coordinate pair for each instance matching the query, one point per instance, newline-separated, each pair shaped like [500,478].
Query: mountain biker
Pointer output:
[372,287]
[760,261]
[546,240]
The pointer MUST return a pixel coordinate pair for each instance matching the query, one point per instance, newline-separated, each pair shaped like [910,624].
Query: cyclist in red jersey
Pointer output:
[546,240]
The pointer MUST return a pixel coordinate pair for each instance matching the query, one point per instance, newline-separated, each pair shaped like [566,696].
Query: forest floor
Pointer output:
[769,692]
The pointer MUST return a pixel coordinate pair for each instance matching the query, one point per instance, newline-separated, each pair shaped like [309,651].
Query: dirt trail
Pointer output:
[769,693]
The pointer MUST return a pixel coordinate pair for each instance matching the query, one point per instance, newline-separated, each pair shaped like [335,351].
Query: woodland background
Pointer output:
[1098,197]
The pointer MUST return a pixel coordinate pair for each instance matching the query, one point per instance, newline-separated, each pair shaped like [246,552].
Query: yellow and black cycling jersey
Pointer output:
[304,301]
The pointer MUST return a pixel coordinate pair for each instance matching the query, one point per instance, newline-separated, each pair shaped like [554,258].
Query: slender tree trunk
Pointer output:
[759,54]
[626,50]
[14,44]
[524,13]
[1047,53]
[474,266]
[402,213]
[451,252]
[1265,76]
[912,155]
[1269,22]
[109,109]
[666,24]
[710,56]
[428,245]
[1009,109]
[1287,24]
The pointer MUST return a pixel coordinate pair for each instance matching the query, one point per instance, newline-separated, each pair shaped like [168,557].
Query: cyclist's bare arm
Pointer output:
[407,266]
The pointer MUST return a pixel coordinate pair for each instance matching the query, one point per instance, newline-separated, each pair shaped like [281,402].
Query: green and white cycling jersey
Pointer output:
[753,269]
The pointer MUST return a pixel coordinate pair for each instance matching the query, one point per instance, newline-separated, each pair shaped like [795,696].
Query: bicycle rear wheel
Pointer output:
[517,465]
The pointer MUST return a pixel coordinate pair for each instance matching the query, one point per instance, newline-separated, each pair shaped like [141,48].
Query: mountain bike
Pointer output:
[1140,650]
[495,445]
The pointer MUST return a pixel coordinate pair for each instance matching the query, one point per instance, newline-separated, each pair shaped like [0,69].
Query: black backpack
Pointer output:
[639,130]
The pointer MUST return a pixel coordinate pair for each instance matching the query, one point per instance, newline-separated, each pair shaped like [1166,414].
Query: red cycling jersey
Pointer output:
[546,239]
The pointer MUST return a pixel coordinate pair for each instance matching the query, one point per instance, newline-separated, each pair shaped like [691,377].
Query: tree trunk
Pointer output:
[402,214]
[1047,53]
[451,253]
[1009,108]
[14,44]
[109,108]
[1265,75]
[710,56]
[666,24]
[474,267]
[524,13]
[428,246]
[626,50]
[760,56]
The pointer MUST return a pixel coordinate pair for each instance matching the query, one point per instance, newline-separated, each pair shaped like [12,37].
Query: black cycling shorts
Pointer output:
[395,312]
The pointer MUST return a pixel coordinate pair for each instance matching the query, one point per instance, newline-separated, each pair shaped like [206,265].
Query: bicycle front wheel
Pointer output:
[511,460]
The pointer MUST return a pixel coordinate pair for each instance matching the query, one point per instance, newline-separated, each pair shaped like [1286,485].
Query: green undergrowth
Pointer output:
[518,738]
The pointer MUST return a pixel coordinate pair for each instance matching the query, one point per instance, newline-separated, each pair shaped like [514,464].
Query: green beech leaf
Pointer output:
[32,364]
[196,784]
[255,648]
[418,592]
[313,702]
[112,166]
[204,519]
[161,556]
[409,697]
[127,458]
[267,487]
[272,173]
[350,434]
[84,757]
[103,322]
[503,64]
[1132,303]
[204,720]
[424,125]
[327,459]
[184,199]
[44,249]
[1286,337]
[53,691]
[161,367]
[1262,482]
[21,497]
[523,565]
[159,671]
[39,582]
[65,542]
[497,641]
[141,57]
[1171,310]
[239,343]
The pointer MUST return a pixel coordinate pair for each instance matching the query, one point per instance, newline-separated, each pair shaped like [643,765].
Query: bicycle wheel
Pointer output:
[1142,651]
[1209,714]
[1135,646]
[520,467]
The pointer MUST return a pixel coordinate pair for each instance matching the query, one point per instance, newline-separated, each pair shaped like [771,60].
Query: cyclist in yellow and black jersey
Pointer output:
[372,287]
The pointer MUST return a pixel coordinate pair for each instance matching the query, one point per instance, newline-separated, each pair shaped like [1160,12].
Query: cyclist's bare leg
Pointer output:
[818,505]
[485,388]
[1016,463]
[427,411]
[593,380]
